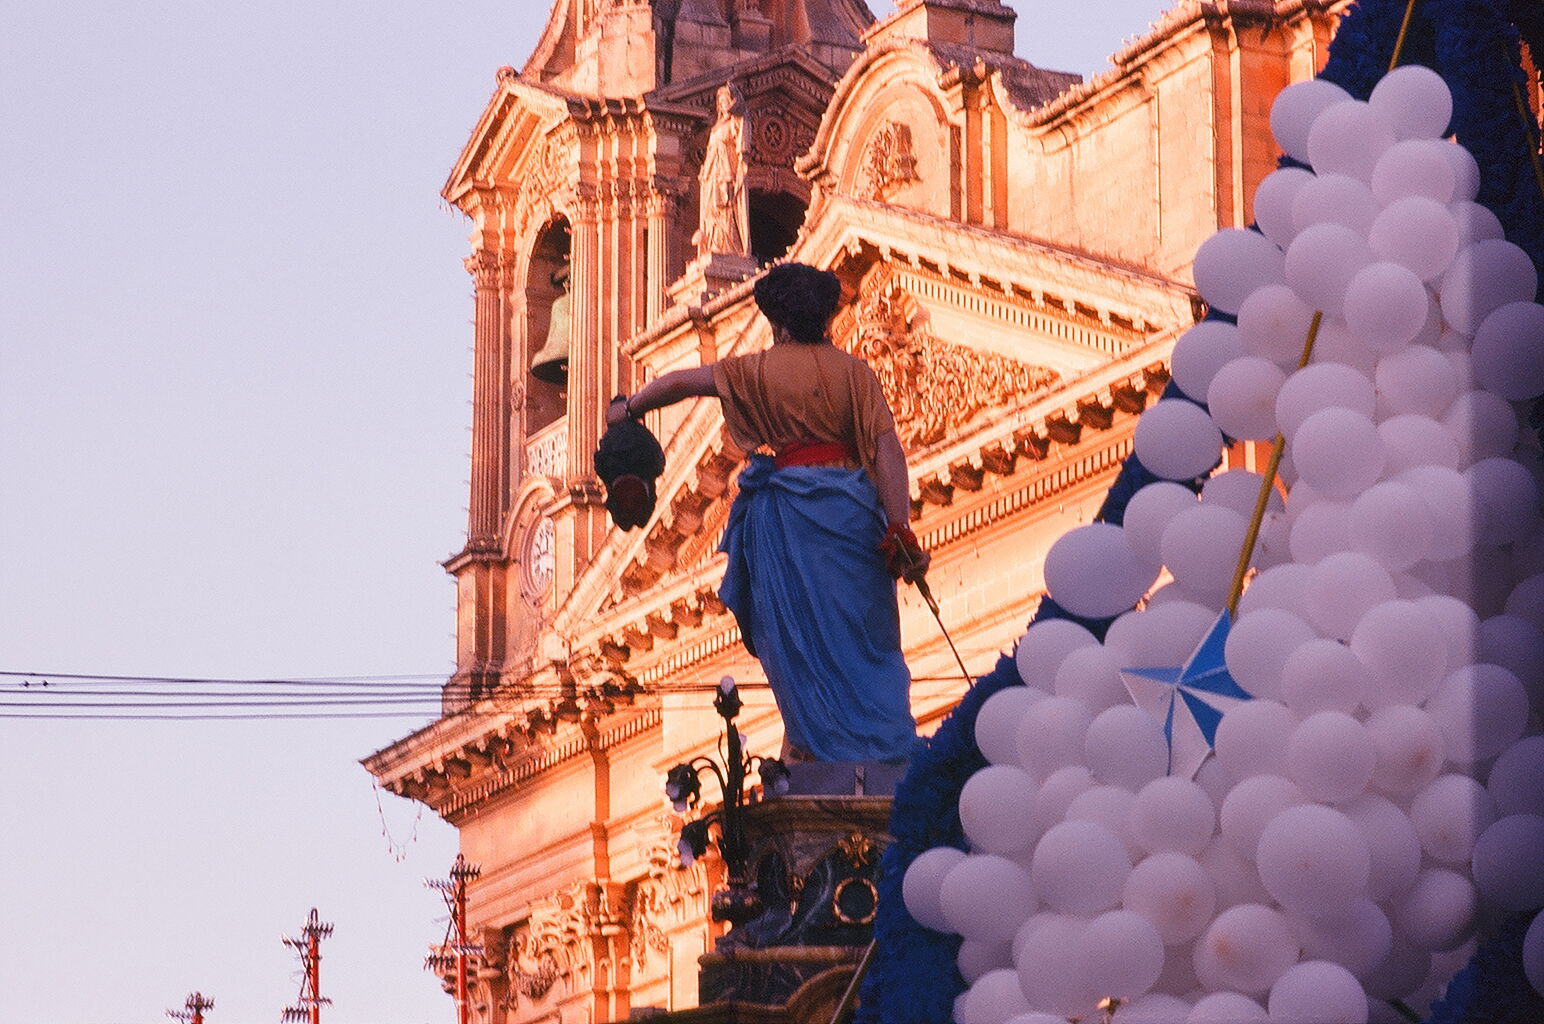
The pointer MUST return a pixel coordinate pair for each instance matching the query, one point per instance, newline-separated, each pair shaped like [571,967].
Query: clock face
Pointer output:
[540,555]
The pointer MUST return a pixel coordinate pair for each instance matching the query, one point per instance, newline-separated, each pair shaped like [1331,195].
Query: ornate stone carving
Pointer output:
[936,388]
[724,220]
[551,169]
[889,161]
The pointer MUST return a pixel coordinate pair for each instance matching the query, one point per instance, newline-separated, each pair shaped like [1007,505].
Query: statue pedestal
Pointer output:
[814,855]
[709,274]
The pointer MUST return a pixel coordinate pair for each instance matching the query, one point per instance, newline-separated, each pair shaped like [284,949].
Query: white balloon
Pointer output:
[1036,1017]
[1449,815]
[1509,351]
[1415,101]
[1235,876]
[1475,222]
[1404,649]
[1109,806]
[1348,138]
[1177,440]
[1334,199]
[1251,806]
[1148,514]
[1336,344]
[1321,386]
[1418,380]
[997,723]
[1258,646]
[1438,911]
[1517,645]
[1484,424]
[1516,780]
[1417,233]
[1411,440]
[1173,814]
[1466,173]
[1316,991]
[1415,167]
[922,883]
[1050,735]
[1125,747]
[1245,950]
[1041,650]
[1506,862]
[1527,599]
[1242,398]
[986,898]
[1481,710]
[1341,589]
[1408,746]
[1091,675]
[1273,203]
[1280,586]
[1482,278]
[1322,675]
[976,959]
[1320,530]
[1294,110]
[1389,521]
[997,808]
[1445,493]
[1058,791]
[1239,490]
[1231,264]
[1201,548]
[1049,973]
[1391,841]
[1320,263]
[993,999]
[1079,867]
[1313,859]
[1337,452]
[1385,306]
[1153,1008]
[1121,954]
[1200,352]
[1227,1008]
[1273,324]
[1330,756]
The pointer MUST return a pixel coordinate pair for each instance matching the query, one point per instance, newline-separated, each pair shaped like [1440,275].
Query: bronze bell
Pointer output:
[551,363]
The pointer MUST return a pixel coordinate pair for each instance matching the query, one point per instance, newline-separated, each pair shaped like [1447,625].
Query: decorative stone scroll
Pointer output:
[889,161]
[935,388]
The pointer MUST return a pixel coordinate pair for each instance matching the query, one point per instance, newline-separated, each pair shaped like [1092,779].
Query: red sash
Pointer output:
[813,453]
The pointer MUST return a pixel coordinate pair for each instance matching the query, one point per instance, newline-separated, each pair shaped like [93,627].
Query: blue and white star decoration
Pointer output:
[1190,699]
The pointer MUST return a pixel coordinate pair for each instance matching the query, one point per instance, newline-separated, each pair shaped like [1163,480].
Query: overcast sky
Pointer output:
[234,407]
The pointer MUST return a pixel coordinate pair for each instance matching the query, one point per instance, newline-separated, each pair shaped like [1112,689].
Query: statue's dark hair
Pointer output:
[800,298]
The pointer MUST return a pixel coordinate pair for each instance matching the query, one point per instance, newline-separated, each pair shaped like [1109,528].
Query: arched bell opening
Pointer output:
[548,322]
[775,221]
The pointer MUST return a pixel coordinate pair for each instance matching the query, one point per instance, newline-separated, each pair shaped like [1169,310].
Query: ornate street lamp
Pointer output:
[738,902]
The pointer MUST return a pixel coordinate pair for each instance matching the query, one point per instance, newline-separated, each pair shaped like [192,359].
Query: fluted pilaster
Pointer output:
[490,398]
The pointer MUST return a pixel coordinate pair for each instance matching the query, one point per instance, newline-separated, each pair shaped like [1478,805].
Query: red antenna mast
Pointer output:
[193,1009]
[308,1008]
[453,952]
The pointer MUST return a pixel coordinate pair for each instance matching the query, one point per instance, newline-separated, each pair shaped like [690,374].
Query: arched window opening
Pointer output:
[547,328]
[775,221]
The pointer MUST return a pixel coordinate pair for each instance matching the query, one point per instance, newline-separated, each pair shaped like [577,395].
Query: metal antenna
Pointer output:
[453,952]
[193,1009]
[308,1008]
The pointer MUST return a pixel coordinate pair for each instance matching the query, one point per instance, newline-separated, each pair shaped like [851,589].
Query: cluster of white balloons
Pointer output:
[1382,796]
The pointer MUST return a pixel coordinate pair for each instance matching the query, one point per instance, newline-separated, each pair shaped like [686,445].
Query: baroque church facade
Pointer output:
[1014,244]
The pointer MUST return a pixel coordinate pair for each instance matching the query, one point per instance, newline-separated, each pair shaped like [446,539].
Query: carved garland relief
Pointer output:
[889,162]
[936,388]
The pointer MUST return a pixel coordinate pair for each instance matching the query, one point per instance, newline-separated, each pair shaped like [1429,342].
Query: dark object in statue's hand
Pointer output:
[628,461]
[904,557]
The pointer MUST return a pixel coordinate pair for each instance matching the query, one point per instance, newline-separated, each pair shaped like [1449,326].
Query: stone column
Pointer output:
[490,397]
[588,366]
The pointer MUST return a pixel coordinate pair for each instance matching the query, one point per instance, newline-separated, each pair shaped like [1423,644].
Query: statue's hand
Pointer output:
[616,412]
[904,556]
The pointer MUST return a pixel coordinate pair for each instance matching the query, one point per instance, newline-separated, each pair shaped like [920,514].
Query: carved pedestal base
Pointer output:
[709,274]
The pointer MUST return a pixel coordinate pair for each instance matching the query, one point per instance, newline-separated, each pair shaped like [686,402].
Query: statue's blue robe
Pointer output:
[810,591]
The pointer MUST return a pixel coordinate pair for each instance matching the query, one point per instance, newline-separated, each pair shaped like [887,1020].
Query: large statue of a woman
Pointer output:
[724,221]
[818,532]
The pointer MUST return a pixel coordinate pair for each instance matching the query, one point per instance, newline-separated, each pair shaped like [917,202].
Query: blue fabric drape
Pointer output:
[808,586]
